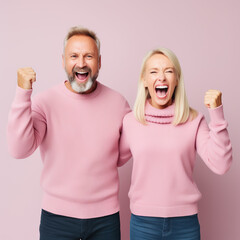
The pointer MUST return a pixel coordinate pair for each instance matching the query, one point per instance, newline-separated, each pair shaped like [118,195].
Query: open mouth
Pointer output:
[81,76]
[161,91]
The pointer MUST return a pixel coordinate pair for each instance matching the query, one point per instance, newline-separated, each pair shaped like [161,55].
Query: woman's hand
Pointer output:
[213,99]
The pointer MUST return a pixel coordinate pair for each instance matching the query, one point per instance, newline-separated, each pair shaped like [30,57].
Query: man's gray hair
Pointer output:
[79,30]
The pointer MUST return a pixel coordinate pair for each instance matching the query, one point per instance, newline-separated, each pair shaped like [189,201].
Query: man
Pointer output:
[77,125]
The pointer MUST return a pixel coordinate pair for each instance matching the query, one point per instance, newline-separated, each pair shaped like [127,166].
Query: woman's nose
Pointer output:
[161,76]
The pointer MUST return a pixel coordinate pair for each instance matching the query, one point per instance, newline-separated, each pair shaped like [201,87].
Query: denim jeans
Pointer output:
[57,227]
[157,228]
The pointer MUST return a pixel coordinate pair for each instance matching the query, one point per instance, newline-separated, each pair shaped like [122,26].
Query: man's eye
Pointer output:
[73,56]
[89,56]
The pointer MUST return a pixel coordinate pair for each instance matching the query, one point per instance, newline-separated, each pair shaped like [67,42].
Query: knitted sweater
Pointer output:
[164,155]
[78,135]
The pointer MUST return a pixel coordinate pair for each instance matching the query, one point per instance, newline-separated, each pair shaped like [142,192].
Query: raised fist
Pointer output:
[213,99]
[26,76]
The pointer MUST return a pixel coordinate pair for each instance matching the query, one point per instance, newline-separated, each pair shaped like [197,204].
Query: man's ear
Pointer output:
[99,62]
[63,61]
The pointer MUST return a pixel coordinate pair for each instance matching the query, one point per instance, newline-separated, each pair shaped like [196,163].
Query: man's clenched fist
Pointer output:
[26,76]
[213,99]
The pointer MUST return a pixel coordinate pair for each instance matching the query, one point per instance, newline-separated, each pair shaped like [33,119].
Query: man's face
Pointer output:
[82,63]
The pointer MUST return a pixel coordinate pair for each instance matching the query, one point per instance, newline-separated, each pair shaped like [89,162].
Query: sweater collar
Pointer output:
[159,116]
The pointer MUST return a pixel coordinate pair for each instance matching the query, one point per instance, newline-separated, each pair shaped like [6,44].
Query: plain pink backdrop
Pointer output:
[205,35]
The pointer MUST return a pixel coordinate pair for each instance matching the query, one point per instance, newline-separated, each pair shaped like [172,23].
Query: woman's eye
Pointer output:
[152,72]
[169,71]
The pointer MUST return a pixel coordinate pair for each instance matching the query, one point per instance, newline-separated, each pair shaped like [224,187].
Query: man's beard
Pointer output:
[81,87]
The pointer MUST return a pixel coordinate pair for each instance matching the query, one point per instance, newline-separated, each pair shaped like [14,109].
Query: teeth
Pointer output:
[162,87]
[81,72]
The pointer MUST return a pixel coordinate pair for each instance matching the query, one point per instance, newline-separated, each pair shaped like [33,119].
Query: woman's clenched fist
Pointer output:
[213,98]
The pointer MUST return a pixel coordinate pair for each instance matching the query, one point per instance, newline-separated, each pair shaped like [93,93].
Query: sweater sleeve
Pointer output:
[213,142]
[26,127]
[124,149]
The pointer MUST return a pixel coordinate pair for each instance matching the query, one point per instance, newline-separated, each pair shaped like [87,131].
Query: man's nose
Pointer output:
[81,62]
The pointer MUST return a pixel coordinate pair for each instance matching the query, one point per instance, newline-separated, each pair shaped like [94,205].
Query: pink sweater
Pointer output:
[164,155]
[78,137]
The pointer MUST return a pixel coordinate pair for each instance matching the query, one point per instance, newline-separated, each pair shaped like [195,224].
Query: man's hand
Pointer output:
[213,99]
[26,76]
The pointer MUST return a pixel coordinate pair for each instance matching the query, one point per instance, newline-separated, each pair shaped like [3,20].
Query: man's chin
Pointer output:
[82,87]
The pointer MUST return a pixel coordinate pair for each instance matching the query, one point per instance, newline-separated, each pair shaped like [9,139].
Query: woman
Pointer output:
[162,135]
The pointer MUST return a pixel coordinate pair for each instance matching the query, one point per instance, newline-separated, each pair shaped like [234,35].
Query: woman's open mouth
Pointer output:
[161,91]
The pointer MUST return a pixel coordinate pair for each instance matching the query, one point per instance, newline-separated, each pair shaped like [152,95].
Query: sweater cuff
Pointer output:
[216,114]
[23,95]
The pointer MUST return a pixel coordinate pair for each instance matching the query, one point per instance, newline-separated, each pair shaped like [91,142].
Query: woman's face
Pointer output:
[160,79]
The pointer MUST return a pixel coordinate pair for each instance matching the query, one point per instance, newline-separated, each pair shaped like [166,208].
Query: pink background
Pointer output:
[205,35]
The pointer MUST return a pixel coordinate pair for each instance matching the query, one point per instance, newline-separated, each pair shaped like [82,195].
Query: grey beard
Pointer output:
[83,87]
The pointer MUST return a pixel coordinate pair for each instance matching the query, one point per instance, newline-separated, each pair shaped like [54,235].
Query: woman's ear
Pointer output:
[144,82]
[177,79]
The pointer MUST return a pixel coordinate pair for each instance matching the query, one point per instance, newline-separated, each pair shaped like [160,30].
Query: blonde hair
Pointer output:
[182,109]
[79,30]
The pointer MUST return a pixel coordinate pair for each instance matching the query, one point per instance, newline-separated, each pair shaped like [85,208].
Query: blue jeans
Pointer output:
[157,228]
[57,227]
